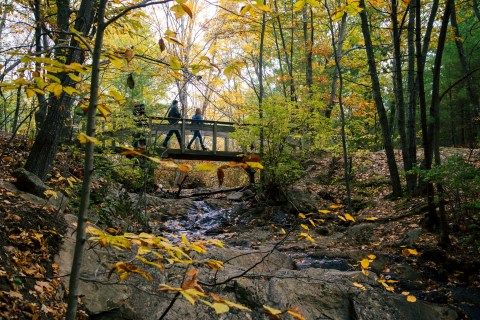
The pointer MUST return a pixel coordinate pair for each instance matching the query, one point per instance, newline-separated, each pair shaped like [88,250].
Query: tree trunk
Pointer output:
[337,56]
[41,113]
[88,167]
[17,110]
[472,93]
[399,95]
[308,42]
[412,99]
[46,143]
[333,89]
[279,57]
[387,139]
[260,80]
[434,128]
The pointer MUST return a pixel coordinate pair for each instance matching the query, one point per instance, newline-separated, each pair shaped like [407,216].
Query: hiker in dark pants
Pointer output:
[197,119]
[173,117]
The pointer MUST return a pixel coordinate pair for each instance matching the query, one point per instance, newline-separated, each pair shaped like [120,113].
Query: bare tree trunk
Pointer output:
[333,89]
[17,110]
[260,80]
[387,139]
[421,55]
[88,167]
[412,99]
[287,57]
[41,113]
[308,43]
[399,95]
[45,147]
[280,64]
[434,128]
[472,93]
[337,56]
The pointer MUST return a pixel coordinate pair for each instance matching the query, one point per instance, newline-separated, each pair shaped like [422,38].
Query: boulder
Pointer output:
[29,182]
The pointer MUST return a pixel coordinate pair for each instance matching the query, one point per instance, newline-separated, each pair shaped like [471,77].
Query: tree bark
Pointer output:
[434,128]
[412,99]
[339,52]
[376,91]
[46,143]
[88,167]
[399,95]
[472,93]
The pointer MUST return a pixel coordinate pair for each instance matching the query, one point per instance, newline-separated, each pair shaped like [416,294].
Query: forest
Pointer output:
[349,117]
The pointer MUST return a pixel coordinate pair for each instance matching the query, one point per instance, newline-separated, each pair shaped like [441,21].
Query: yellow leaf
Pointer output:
[245,9]
[117,96]
[214,264]
[372,256]
[407,252]
[365,272]
[304,226]
[83,138]
[411,298]
[30,93]
[51,193]
[365,263]
[342,218]
[216,243]
[220,307]
[301,215]
[187,10]
[371,218]
[71,90]
[264,8]
[175,63]
[349,217]
[336,206]
[174,41]
[255,165]
[184,239]
[74,77]
[272,311]
[178,11]
[360,286]
[297,6]
[104,110]
[324,211]
[405,293]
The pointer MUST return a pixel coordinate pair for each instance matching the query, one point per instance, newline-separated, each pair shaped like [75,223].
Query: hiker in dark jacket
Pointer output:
[173,117]
[197,119]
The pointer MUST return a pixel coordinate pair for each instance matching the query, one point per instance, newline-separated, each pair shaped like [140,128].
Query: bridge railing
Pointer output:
[214,129]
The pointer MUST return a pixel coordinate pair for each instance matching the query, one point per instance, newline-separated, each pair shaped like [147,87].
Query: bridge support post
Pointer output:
[214,143]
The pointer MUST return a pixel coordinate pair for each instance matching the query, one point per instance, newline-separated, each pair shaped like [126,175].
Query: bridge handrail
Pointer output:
[207,122]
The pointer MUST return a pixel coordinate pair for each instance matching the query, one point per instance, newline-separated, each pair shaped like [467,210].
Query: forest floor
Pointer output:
[31,231]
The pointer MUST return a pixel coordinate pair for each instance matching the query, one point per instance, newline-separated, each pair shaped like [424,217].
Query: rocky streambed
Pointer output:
[322,283]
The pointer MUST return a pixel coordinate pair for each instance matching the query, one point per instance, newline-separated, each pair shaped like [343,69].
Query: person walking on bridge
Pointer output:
[173,117]
[197,119]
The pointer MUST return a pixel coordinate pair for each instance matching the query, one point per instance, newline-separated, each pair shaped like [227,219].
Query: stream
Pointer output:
[204,221]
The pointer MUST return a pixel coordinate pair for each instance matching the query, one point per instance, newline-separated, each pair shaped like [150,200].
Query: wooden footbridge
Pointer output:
[215,134]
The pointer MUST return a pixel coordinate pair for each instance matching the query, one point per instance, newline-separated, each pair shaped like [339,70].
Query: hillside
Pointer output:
[32,231]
